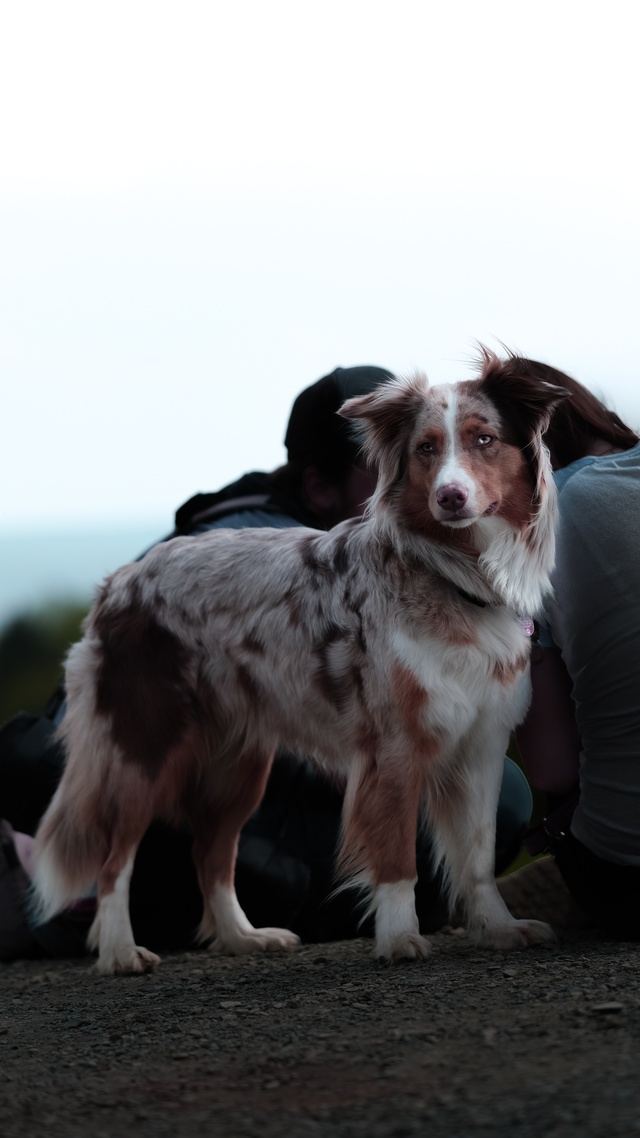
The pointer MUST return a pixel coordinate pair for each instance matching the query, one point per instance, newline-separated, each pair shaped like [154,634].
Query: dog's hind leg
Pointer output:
[214,850]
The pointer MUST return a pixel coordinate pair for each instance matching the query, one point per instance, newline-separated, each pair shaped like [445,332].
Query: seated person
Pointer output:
[580,743]
[285,868]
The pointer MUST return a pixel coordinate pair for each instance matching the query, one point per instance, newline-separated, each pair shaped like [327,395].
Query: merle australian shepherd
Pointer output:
[393,649]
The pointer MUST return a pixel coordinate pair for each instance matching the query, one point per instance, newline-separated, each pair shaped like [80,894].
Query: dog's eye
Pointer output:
[426,447]
[484,440]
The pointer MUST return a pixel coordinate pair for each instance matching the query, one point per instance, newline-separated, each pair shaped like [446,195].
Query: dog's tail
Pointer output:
[69,855]
[72,841]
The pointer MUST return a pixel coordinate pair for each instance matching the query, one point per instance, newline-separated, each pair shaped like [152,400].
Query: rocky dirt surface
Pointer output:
[328,1041]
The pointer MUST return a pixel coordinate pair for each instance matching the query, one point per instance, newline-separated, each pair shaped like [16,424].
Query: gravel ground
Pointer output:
[328,1041]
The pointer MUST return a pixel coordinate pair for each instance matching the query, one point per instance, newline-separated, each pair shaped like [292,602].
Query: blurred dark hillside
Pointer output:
[32,650]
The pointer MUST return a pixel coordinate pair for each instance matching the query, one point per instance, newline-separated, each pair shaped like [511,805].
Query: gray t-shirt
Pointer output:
[595,621]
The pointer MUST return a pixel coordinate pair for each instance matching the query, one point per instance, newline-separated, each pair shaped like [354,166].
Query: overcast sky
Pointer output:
[206,206]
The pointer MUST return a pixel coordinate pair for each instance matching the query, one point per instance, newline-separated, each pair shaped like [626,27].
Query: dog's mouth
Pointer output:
[458,518]
[464,516]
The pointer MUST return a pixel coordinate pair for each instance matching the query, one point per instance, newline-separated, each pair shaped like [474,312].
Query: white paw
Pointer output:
[129,959]
[239,943]
[402,946]
[517,934]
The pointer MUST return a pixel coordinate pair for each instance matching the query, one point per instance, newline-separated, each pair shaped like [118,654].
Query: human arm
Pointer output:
[548,740]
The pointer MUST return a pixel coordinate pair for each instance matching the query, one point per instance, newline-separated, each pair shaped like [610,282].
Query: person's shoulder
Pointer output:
[577,490]
[251,491]
[567,475]
[591,470]
[626,461]
[590,485]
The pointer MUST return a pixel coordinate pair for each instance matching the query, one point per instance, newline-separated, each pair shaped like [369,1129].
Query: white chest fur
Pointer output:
[466,681]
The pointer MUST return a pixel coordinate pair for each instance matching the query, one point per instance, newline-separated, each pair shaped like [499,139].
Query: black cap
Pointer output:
[316,435]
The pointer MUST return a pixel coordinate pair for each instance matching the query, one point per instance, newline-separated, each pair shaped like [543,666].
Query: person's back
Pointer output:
[595,621]
[581,740]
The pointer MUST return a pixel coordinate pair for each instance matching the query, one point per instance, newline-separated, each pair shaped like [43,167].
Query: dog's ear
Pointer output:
[385,418]
[518,388]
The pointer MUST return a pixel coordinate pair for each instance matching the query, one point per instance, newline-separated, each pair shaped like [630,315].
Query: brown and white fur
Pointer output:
[389,648]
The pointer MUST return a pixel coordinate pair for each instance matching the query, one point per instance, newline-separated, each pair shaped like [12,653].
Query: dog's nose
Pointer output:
[451,496]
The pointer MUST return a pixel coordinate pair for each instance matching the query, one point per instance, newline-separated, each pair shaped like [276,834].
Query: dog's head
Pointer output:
[462,464]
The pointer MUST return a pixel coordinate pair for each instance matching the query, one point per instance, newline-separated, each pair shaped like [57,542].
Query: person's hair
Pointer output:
[578,420]
[316,436]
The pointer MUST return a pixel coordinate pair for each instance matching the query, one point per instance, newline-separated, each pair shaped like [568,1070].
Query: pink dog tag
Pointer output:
[526,625]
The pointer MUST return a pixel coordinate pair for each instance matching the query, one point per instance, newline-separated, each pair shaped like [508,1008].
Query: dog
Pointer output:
[393,649]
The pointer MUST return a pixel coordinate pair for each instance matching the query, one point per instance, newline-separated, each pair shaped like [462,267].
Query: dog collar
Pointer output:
[471,599]
[525,622]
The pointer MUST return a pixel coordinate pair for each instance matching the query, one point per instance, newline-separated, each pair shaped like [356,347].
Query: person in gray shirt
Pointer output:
[580,743]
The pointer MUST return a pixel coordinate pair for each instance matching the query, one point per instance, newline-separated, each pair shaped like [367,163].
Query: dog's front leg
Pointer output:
[379,852]
[465,835]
